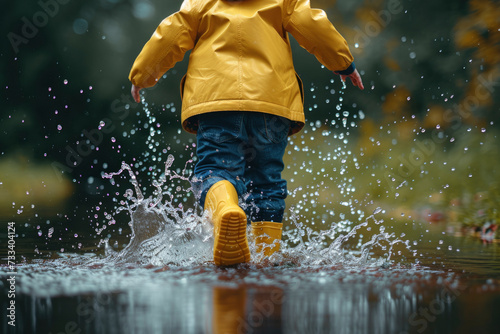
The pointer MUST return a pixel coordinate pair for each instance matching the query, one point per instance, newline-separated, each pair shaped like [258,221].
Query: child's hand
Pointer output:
[355,79]
[135,93]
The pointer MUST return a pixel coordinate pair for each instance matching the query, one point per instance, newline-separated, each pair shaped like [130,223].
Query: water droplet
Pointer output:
[80,26]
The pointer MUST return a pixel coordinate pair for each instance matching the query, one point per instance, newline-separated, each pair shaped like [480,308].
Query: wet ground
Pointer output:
[453,289]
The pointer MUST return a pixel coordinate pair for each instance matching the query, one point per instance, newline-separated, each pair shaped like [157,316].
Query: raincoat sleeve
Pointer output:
[172,39]
[315,33]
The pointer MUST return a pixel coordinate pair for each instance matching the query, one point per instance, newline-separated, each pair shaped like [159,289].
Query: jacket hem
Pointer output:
[189,123]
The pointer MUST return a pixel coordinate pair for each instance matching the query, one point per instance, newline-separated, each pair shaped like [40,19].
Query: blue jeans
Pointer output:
[246,149]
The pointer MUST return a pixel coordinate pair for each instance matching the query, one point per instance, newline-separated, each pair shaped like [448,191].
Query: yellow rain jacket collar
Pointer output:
[241,57]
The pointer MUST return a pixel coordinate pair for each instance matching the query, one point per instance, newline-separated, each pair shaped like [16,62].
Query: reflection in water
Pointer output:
[234,314]
[67,297]
[228,309]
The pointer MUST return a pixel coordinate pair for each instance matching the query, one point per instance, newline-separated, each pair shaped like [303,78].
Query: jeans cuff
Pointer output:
[267,216]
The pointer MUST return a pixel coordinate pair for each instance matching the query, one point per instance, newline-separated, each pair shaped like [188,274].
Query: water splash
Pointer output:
[162,232]
[167,234]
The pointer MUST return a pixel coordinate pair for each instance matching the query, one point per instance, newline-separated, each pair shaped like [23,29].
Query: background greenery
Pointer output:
[424,65]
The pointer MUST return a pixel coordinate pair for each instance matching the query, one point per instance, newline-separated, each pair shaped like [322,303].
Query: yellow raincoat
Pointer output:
[241,58]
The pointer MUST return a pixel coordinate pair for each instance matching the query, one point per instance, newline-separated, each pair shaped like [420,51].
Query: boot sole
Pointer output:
[231,245]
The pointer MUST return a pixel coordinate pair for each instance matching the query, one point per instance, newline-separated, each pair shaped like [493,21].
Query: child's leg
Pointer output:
[268,138]
[221,167]
[220,154]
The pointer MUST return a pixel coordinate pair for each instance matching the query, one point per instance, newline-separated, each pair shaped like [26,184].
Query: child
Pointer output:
[242,98]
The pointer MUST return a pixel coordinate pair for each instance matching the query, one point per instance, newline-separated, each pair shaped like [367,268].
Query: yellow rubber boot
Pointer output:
[230,225]
[273,231]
